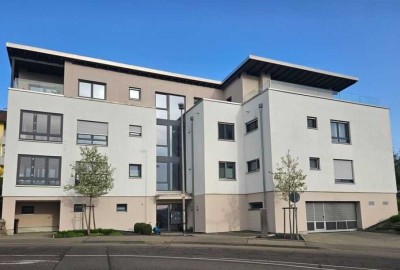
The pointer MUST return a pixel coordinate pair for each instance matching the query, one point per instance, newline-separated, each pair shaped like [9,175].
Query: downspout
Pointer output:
[192,144]
[260,106]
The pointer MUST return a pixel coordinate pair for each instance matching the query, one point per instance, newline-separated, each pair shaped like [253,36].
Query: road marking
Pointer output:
[28,255]
[27,262]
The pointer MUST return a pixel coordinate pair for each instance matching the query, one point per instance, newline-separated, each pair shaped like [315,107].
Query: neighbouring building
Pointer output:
[235,132]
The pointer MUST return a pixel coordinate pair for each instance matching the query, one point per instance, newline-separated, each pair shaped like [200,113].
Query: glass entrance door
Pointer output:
[163,217]
[169,217]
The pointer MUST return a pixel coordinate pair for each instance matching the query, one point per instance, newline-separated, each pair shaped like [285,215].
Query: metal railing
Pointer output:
[39,86]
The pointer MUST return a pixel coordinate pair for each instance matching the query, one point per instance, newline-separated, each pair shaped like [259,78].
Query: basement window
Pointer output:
[255,205]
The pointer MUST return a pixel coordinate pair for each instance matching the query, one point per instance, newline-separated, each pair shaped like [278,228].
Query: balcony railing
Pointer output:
[39,86]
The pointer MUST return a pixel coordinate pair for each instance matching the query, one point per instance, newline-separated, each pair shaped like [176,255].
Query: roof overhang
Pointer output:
[291,73]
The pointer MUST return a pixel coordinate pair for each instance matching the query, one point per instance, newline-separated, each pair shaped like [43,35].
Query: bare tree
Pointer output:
[94,177]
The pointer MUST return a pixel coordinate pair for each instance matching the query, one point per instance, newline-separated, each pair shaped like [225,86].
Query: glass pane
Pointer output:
[85,89]
[24,167]
[331,225]
[134,171]
[54,167]
[162,176]
[27,122]
[221,131]
[161,101]
[39,170]
[134,94]
[175,141]
[352,224]
[221,170]
[55,124]
[310,226]
[174,112]
[162,186]
[229,132]
[162,151]
[175,176]
[162,114]
[99,91]
[41,123]
[161,135]
[342,130]
[230,170]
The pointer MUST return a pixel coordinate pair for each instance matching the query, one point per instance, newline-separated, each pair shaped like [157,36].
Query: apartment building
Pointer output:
[3,120]
[235,132]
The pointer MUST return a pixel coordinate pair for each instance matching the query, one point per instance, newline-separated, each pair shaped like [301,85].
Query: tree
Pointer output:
[288,178]
[94,176]
[396,157]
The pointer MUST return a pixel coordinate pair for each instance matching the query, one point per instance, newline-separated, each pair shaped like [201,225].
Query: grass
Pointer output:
[390,225]
[80,233]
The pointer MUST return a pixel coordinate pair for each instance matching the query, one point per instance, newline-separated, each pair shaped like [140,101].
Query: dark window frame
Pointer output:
[131,88]
[225,168]
[318,162]
[223,137]
[133,134]
[312,118]
[124,205]
[253,206]
[30,207]
[34,126]
[91,89]
[140,171]
[46,178]
[337,139]
[78,207]
[91,140]
[257,160]
[249,127]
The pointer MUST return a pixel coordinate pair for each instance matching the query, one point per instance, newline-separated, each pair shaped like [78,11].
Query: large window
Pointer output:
[253,165]
[251,125]
[41,126]
[39,170]
[343,171]
[226,131]
[340,132]
[135,170]
[227,170]
[92,90]
[92,133]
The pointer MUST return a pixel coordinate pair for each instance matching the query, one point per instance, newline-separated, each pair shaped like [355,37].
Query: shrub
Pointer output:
[79,233]
[395,218]
[142,228]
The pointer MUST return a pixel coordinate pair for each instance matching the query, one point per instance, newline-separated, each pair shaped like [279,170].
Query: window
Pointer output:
[122,207]
[41,126]
[135,131]
[314,163]
[196,100]
[227,170]
[39,170]
[343,171]
[340,132]
[135,170]
[92,90]
[134,93]
[167,106]
[251,125]
[27,209]
[78,208]
[226,131]
[312,122]
[92,133]
[255,205]
[253,165]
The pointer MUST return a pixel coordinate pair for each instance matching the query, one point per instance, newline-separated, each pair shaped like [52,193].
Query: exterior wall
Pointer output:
[235,91]
[117,86]
[301,89]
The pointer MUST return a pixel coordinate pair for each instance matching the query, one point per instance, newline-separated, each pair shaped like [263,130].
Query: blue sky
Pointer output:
[209,38]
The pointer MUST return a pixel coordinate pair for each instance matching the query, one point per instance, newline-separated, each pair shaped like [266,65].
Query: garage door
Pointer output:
[331,216]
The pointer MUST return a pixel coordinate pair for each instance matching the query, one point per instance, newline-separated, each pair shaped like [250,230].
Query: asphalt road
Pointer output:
[128,256]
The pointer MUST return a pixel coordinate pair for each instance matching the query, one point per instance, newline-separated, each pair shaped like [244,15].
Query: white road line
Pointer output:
[28,255]
[27,262]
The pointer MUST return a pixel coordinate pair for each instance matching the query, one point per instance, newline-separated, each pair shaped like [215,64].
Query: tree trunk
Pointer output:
[90,215]
[290,218]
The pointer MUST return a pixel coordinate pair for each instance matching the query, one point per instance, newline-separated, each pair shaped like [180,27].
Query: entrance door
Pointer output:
[169,217]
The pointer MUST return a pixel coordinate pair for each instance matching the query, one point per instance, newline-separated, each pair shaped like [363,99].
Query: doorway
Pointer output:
[169,217]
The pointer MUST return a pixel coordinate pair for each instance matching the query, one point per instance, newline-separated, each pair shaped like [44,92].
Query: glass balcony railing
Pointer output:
[39,86]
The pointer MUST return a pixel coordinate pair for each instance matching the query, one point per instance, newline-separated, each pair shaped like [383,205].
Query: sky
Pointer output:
[210,38]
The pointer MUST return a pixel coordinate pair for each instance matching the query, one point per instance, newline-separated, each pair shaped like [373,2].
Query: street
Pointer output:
[129,256]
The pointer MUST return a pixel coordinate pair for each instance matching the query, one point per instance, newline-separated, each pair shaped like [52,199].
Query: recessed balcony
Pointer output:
[39,86]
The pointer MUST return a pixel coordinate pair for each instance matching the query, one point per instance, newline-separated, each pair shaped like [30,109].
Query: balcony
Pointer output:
[39,86]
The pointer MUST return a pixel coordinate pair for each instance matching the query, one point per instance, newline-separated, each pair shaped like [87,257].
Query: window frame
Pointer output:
[29,212]
[34,127]
[316,122]
[255,120]
[76,207]
[338,138]
[225,167]
[91,139]
[133,134]
[318,161]
[226,124]
[344,181]
[252,204]
[131,88]
[46,178]
[257,160]
[125,205]
[91,89]
[140,171]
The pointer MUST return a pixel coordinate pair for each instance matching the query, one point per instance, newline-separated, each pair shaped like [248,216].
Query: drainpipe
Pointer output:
[192,144]
[181,107]
[260,106]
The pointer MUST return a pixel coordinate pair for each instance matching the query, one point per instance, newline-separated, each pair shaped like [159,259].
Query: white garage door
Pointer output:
[331,216]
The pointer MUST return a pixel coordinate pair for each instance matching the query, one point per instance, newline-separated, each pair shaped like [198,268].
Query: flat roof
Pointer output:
[252,65]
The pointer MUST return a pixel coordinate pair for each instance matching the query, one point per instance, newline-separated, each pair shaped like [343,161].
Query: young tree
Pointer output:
[396,157]
[289,178]
[94,176]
